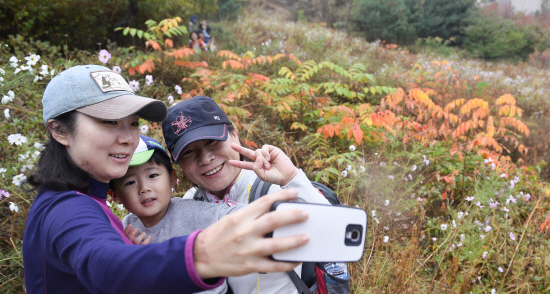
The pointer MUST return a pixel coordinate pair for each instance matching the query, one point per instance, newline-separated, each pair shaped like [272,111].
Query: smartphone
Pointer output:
[337,233]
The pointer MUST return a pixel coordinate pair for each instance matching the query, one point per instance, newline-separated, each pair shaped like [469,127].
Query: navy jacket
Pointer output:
[72,245]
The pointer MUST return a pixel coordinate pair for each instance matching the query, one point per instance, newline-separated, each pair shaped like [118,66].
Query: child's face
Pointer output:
[145,191]
[206,163]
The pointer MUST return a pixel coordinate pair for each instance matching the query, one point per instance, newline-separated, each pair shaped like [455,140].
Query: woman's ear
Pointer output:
[56,129]
[173,179]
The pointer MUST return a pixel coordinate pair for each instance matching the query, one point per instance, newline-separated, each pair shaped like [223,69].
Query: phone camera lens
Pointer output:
[353,235]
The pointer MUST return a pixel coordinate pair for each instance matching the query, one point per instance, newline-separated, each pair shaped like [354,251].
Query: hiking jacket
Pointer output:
[73,243]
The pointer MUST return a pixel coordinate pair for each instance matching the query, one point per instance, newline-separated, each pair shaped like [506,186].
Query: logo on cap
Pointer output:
[110,81]
[180,125]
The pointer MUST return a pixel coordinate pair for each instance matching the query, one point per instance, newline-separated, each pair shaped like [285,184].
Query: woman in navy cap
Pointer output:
[73,243]
[206,146]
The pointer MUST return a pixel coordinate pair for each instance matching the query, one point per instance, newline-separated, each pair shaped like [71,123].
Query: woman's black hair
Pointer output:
[56,170]
[231,129]
[191,34]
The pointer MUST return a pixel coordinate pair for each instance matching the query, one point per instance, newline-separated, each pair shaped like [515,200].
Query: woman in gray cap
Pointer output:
[73,243]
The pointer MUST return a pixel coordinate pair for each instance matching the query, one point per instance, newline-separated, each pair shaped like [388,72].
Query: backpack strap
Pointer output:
[198,196]
[259,188]
[298,283]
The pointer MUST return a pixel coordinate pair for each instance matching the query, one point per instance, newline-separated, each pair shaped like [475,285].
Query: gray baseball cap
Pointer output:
[98,92]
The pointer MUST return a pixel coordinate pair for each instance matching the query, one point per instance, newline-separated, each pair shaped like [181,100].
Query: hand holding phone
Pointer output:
[337,233]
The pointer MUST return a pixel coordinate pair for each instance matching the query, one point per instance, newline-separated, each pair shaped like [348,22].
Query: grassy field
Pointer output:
[448,167]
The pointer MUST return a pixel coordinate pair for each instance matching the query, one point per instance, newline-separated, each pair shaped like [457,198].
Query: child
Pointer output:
[145,191]
[206,146]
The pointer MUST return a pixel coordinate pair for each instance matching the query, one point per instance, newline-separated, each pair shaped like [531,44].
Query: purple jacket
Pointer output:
[74,244]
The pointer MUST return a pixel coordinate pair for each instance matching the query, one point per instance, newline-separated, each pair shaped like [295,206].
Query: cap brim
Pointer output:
[211,132]
[141,157]
[126,105]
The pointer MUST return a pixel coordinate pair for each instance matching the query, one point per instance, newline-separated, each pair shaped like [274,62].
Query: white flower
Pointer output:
[109,203]
[386,239]
[505,209]
[386,203]
[37,78]
[460,214]
[487,229]
[443,227]
[493,291]
[32,59]
[344,173]
[143,129]
[170,99]
[134,85]
[462,237]
[391,177]
[485,254]
[38,146]
[24,156]
[500,269]
[13,61]
[502,175]
[434,239]
[349,167]
[373,213]
[120,206]
[17,139]
[352,148]
[2,72]
[7,113]
[148,79]
[18,179]
[178,89]
[382,163]
[52,72]
[470,198]
[26,167]
[482,237]
[3,171]
[386,228]
[13,207]
[44,70]
[376,220]
[35,154]
[454,224]
[117,69]
[362,168]
[22,68]
[6,99]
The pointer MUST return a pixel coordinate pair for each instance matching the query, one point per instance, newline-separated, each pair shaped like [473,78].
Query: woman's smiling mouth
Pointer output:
[214,171]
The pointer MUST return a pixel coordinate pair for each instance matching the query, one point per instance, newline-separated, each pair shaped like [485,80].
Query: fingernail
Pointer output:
[305,238]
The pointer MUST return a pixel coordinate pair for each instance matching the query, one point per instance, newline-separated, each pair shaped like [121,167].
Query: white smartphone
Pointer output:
[337,233]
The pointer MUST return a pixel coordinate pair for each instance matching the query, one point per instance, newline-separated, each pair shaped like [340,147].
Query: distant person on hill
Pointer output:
[192,23]
[207,38]
[196,43]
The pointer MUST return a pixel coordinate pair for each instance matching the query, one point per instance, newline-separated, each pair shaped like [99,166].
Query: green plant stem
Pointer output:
[519,242]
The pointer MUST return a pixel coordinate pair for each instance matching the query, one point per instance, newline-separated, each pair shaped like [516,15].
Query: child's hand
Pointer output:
[270,164]
[139,240]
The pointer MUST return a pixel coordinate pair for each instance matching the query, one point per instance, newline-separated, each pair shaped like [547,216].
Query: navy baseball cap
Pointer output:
[98,92]
[198,118]
[145,150]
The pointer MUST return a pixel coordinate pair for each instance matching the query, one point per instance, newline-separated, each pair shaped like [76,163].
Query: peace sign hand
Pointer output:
[271,164]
